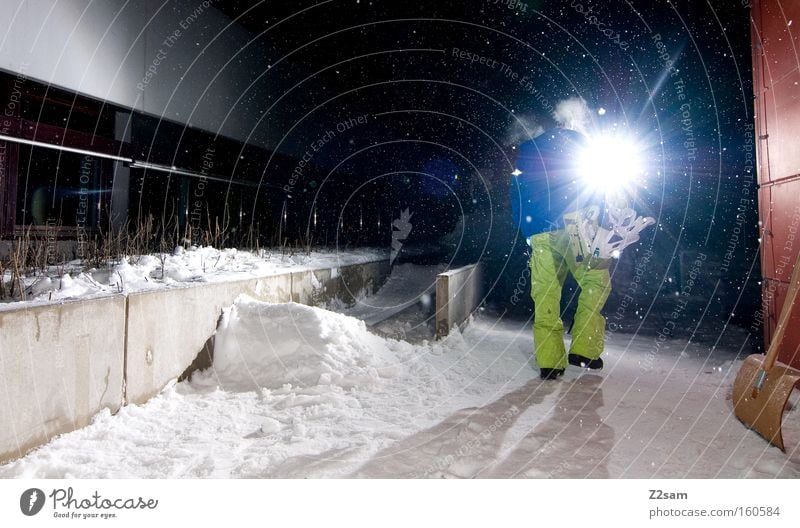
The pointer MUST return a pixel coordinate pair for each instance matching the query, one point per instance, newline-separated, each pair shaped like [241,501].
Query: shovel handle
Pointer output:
[761,377]
[783,320]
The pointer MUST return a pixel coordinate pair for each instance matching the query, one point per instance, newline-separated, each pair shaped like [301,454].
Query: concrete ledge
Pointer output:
[59,366]
[354,282]
[347,283]
[62,363]
[458,294]
[313,287]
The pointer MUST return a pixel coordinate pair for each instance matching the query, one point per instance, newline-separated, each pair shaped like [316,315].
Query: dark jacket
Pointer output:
[549,184]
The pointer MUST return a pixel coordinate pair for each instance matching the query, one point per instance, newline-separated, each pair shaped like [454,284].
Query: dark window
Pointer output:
[61,189]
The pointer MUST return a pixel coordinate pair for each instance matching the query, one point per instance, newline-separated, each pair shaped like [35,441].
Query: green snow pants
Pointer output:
[551,258]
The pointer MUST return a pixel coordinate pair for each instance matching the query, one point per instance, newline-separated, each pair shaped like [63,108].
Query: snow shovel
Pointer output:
[762,387]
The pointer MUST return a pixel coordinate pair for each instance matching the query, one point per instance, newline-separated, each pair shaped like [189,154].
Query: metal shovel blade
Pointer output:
[763,412]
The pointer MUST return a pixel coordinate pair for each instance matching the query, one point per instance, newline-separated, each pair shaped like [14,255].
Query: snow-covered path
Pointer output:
[303,392]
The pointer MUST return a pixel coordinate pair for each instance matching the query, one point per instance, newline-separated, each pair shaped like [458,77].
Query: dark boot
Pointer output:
[550,373]
[583,362]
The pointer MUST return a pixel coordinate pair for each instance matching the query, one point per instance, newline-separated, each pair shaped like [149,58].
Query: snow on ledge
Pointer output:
[180,269]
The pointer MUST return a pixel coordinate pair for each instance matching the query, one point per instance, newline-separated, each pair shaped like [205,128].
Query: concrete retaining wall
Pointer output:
[59,366]
[458,294]
[62,363]
[347,283]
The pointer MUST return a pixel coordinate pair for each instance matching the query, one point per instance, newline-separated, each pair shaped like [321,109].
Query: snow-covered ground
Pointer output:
[203,264]
[304,392]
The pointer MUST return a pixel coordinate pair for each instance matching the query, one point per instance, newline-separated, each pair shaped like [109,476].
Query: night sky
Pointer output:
[419,105]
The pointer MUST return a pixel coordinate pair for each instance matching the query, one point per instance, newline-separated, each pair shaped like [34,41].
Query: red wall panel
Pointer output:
[776,76]
[774,295]
[779,58]
[780,241]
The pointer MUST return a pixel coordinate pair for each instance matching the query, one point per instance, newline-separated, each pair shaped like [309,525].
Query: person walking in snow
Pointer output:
[548,201]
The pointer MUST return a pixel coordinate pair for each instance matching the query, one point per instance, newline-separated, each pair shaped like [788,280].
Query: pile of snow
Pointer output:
[183,266]
[271,345]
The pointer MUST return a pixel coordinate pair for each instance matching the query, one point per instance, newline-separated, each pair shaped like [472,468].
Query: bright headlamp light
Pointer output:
[609,163]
